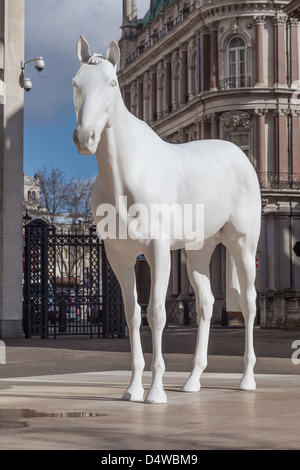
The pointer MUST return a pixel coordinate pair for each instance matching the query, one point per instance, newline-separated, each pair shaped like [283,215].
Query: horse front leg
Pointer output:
[159,261]
[126,276]
[135,391]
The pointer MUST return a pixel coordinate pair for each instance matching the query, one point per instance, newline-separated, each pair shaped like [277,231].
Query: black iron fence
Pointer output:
[69,286]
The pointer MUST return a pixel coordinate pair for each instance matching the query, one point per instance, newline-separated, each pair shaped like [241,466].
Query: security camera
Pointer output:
[27,84]
[39,64]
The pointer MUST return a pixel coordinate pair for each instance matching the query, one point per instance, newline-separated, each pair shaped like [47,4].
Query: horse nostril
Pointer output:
[75,136]
[84,139]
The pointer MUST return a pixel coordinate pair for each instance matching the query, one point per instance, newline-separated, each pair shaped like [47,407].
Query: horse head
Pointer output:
[94,89]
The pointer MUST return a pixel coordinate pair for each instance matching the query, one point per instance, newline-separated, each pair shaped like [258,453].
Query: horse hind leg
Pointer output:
[243,252]
[198,271]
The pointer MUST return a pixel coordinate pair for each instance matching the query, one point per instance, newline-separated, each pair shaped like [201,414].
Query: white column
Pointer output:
[11,170]
[259,72]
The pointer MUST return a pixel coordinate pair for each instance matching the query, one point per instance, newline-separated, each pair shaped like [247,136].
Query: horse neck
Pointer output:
[116,150]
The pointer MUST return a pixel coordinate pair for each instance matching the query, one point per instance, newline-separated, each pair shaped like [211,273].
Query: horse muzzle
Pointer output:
[85,141]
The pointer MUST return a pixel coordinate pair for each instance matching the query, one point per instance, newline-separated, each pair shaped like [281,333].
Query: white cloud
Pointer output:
[52,29]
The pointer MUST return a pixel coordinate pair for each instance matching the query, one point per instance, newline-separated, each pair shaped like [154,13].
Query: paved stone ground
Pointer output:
[35,356]
[66,394]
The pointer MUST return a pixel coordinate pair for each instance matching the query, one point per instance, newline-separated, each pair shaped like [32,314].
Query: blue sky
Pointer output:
[51,30]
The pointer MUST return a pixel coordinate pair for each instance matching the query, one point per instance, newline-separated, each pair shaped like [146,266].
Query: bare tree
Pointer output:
[53,191]
[78,200]
[65,204]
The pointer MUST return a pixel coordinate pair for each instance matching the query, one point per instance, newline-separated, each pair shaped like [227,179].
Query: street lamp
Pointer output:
[39,65]
[27,218]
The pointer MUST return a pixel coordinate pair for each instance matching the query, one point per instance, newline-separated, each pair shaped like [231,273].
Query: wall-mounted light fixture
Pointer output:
[39,65]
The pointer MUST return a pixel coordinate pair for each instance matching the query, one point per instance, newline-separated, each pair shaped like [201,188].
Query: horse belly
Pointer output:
[217,200]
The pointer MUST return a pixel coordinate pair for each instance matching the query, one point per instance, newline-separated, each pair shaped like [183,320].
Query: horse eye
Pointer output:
[113,82]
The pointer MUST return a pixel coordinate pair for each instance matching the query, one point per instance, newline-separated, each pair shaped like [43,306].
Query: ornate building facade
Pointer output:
[199,69]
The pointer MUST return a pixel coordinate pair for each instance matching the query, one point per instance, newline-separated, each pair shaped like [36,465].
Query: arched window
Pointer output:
[29,196]
[33,195]
[236,63]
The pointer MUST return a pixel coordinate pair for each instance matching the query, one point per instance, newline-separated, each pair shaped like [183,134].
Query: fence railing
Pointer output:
[181,311]
[69,287]
[230,83]
[273,180]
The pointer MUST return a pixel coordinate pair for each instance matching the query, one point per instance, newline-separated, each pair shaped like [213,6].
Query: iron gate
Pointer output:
[69,286]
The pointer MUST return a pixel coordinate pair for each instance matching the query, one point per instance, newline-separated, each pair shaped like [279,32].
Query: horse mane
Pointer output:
[96,59]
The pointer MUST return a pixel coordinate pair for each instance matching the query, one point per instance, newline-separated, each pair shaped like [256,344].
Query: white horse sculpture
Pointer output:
[134,162]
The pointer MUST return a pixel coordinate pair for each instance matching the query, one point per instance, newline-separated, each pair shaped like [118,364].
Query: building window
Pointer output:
[33,195]
[242,140]
[29,196]
[236,63]
[155,38]
[170,26]
[185,12]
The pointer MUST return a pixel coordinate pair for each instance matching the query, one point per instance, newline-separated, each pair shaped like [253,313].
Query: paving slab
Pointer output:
[85,412]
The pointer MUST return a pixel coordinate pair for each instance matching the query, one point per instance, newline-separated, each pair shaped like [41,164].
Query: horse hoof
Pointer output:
[133,395]
[191,385]
[156,396]
[247,383]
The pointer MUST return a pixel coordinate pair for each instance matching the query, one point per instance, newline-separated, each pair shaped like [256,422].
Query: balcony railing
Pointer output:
[234,82]
[283,181]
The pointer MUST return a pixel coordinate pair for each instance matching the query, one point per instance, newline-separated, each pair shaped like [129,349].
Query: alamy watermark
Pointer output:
[295,96]
[296,354]
[2,353]
[183,222]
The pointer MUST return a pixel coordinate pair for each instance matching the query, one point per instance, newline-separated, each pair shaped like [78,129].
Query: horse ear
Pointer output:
[82,49]
[113,53]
